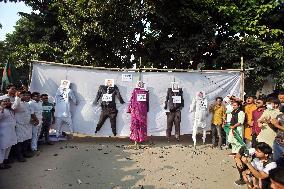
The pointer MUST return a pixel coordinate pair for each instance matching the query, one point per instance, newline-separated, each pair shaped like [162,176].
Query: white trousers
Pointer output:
[35,135]
[63,124]
[4,154]
[198,124]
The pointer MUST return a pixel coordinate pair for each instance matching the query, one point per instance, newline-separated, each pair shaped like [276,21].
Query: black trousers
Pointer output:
[22,149]
[253,141]
[173,118]
[110,113]
[224,136]
[45,130]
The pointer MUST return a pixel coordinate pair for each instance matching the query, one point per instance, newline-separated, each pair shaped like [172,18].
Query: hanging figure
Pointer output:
[138,107]
[199,106]
[174,102]
[107,93]
[62,108]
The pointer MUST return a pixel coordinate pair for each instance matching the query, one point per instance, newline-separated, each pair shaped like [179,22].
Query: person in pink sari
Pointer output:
[138,107]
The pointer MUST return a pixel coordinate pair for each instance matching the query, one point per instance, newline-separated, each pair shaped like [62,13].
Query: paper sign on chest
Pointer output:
[141,97]
[177,99]
[107,97]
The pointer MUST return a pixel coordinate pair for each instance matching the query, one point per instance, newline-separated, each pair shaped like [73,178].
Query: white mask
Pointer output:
[269,106]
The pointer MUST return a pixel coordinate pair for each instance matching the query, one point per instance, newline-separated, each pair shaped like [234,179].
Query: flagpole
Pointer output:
[30,74]
[242,84]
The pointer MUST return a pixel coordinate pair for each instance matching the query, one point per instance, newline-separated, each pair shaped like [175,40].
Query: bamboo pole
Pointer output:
[137,70]
[140,64]
[242,84]
[30,73]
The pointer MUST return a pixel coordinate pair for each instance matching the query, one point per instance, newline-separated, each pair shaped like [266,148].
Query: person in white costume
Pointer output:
[8,135]
[62,108]
[199,106]
[36,108]
[23,124]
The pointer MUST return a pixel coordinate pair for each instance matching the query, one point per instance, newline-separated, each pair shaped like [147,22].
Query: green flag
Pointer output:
[237,135]
[9,76]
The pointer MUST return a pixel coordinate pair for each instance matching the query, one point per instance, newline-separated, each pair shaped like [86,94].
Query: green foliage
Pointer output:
[165,33]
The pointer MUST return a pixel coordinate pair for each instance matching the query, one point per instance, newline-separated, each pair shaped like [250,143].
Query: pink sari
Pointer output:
[138,108]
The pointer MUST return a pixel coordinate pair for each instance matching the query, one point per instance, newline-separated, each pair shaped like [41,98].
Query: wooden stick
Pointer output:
[137,70]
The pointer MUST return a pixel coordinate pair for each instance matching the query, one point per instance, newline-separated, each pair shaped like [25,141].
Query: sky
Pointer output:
[9,16]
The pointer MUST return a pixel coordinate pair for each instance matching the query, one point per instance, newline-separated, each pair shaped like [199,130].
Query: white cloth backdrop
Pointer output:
[85,83]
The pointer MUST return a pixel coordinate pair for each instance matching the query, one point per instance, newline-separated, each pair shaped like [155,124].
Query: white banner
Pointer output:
[85,83]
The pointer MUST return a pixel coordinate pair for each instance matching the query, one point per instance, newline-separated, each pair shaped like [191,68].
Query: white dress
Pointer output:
[200,108]
[62,112]
[8,135]
[62,102]
[23,120]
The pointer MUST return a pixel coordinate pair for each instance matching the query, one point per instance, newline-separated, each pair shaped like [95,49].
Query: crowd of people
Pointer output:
[253,130]
[24,118]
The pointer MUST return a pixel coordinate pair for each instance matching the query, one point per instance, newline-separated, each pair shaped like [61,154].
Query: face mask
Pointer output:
[269,106]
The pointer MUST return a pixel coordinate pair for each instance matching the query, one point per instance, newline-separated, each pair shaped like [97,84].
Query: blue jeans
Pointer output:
[278,151]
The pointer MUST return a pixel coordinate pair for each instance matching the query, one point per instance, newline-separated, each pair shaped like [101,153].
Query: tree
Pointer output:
[255,31]
[37,35]
[165,33]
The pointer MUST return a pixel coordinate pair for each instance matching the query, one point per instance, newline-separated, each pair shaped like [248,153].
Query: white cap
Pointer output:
[4,97]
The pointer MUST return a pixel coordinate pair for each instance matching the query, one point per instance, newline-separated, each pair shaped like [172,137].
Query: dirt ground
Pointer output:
[108,163]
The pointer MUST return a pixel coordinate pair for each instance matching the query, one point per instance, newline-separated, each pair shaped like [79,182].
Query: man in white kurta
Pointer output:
[23,124]
[199,106]
[267,133]
[8,136]
[36,110]
[62,110]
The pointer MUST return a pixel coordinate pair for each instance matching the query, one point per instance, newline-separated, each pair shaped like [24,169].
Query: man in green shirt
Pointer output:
[47,117]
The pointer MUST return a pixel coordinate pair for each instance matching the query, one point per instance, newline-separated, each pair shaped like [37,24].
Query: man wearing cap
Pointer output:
[8,136]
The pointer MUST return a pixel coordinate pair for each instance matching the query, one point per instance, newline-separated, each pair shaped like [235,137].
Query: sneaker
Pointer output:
[240,182]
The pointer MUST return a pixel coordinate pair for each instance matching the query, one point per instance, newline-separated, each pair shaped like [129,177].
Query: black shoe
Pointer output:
[29,155]
[48,143]
[114,134]
[8,161]
[178,139]
[21,159]
[240,182]
[4,166]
